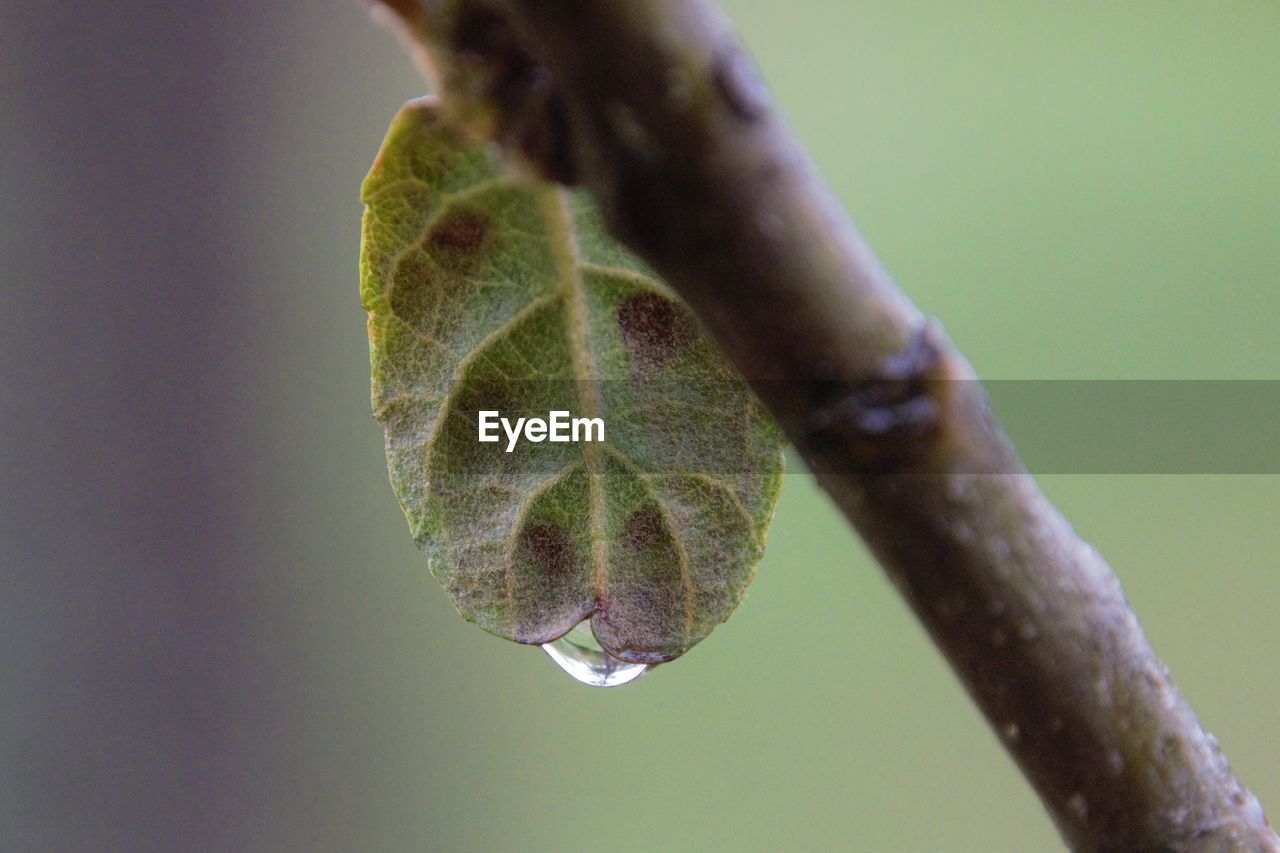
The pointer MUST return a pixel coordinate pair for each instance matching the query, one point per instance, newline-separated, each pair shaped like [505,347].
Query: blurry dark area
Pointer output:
[215,632]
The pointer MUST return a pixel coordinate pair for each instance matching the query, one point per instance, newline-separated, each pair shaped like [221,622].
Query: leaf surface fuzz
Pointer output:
[489,292]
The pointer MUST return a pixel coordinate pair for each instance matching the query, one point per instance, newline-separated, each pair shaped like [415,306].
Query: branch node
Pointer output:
[891,420]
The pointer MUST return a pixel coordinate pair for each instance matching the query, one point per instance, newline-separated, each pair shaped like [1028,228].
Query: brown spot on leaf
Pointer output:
[460,230]
[550,547]
[416,291]
[643,529]
[653,328]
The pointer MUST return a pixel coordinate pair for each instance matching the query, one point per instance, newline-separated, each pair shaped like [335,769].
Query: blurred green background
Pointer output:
[215,632]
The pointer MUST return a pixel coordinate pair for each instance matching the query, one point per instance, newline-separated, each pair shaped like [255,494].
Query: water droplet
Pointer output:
[578,654]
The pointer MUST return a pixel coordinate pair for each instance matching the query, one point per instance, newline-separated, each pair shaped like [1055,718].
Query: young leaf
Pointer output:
[489,293]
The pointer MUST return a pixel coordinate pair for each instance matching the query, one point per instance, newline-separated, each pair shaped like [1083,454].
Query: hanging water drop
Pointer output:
[579,654]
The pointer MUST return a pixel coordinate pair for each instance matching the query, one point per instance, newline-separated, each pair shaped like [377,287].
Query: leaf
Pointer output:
[486,292]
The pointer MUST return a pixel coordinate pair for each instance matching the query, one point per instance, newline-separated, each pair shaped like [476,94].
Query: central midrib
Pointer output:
[564,248]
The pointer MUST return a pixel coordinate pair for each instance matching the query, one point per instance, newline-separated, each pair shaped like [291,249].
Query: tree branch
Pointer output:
[654,106]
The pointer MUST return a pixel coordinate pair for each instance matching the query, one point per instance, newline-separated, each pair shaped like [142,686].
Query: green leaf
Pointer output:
[487,292]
